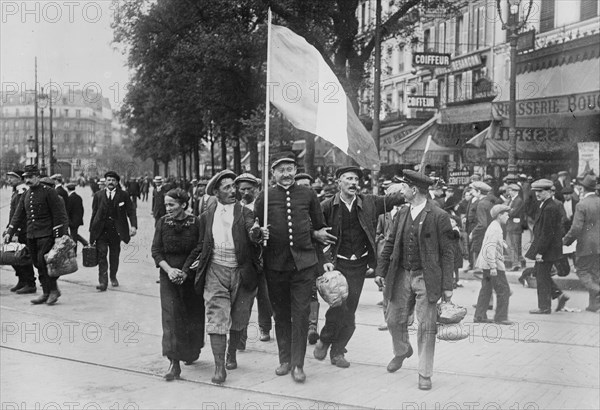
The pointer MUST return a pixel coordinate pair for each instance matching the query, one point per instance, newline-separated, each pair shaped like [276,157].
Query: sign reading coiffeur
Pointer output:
[421,101]
[431,59]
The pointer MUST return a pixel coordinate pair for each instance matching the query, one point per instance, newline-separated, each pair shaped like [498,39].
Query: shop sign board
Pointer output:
[459,177]
[573,104]
[422,101]
[431,59]
[589,157]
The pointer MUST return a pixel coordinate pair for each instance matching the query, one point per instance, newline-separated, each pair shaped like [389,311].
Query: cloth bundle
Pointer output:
[333,287]
[15,254]
[61,259]
[449,318]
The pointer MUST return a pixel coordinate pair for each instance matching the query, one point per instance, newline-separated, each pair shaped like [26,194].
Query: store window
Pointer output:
[401,59]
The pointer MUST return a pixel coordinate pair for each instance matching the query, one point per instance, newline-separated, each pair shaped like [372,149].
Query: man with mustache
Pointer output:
[291,260]
[352,217]
[111,207]
[227,255]
[46,219]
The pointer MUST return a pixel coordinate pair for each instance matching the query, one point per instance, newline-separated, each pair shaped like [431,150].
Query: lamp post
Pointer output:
[43,168]
[513,25]
[31,155]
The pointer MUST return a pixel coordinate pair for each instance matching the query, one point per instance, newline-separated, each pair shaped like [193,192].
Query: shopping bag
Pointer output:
[449,313]
[63,265]
[90,256]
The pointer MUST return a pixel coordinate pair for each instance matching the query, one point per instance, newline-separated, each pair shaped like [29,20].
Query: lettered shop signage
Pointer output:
[576,104]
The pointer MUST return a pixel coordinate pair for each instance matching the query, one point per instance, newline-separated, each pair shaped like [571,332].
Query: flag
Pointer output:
[306,91]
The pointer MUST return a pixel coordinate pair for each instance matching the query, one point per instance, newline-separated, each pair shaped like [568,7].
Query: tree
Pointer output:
[11,160]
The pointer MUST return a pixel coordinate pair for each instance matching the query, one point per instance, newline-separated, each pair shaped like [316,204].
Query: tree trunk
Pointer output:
[223,151]
[253,148]
[155,166]
[166,168]
[237,155]
[197,158]
[309,154]
[184,164]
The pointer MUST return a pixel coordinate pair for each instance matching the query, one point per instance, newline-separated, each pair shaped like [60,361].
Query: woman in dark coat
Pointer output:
[175,237]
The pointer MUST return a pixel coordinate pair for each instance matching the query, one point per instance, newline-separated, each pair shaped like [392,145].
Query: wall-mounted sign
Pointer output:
[574,104]
[431,59]
[526,41]
[422,101]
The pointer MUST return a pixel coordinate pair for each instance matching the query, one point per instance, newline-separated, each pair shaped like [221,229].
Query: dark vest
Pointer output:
[354,238]
[411,258]
[111,214]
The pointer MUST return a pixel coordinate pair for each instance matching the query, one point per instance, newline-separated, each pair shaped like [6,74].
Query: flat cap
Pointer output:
[303,175]
[481,186]
[57,177]
[563,174]
[282,157]
[567,190]
[342,170]
[414,178]
[15,173]
[514,187]
[48,181]
[386,183]
[102,180]
[510,178]
[214,181]
[246,177]
[488,177]
[71,185]
[541,185]
[498,209]
[112,174]
[31,170]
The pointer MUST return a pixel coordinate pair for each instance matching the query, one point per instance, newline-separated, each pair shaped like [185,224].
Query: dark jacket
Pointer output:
[14,202]
[547,233]
[586,227]
[75,210]
[133,188]
[158,202]
[515,215]
[305,214]
[44,212]
[435,249]
[100,209]
[369,207]
[471,216]
[245,241]
[484,218]
[62,192]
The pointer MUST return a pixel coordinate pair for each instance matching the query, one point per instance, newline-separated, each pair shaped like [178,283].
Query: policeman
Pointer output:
[46,220]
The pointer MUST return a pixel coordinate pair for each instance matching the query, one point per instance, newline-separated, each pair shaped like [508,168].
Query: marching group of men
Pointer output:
[305,237]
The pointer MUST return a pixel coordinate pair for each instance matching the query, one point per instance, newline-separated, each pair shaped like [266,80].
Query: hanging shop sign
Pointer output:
[461,177]
[431,59]
[422,101]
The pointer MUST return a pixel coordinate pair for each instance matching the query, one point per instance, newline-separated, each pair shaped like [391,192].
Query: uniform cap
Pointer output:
[498,209]
[31,170]
[282,157]
[415,178]
[16,173]
[342,170]
[541,185]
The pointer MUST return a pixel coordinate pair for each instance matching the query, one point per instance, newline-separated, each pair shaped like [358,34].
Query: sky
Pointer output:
[72,42]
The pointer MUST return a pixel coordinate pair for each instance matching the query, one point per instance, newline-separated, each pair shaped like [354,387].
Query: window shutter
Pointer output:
[468,85]
[546,16]
[450,88]
[589,9]
[450,31]
[465,34]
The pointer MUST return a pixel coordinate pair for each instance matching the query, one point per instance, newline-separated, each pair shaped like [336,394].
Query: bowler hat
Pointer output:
[498,209]
[246,177]
[303,175]
[589,181]
[542,184]
[282,157]
[112,174]
[342,170]
[31,170]
[417,179]
[214,181]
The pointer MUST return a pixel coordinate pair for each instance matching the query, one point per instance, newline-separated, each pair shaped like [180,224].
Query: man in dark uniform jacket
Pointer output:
[546,247]
[291,261]
[58,181]
[417,266]
[111,208]
[46,220]
[74,206]
[352,217]
[24,273]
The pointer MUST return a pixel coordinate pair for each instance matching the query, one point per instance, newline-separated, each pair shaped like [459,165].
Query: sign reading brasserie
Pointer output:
[421,101]
[564,104]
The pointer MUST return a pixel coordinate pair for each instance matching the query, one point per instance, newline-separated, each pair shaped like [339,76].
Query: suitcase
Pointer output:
[15,254]
[90,256]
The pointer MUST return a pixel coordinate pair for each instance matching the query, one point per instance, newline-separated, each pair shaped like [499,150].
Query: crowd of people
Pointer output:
[223,242]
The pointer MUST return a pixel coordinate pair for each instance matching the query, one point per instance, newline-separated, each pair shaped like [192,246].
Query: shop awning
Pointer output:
[478,140]
[417,139]
[390,135]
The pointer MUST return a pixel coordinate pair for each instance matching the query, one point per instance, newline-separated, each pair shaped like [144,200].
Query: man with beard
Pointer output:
[291,260]
[247,186]
[24,273]
[352,217]
[111,208]
[46,219]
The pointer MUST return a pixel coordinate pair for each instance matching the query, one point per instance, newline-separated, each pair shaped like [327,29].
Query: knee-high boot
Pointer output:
[218,344]
[234,339]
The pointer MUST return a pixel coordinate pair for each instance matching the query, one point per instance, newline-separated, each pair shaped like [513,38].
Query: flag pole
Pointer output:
[267,126]
[422,165]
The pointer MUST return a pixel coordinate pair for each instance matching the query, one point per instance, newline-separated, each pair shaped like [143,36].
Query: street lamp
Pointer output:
[513,25]
[31,155]
[43,97]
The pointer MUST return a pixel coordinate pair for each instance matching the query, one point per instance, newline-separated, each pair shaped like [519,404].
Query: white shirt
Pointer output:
[110,194]
[348,205]
[222,224]
[568,205]
[416,210]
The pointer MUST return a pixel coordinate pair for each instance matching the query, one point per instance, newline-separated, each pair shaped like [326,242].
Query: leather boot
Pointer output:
[313,321]
[103,280]
[53,297]
[40,299]
[218,344]
[28,288]
[18,286]
[234,339]
[174,371]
